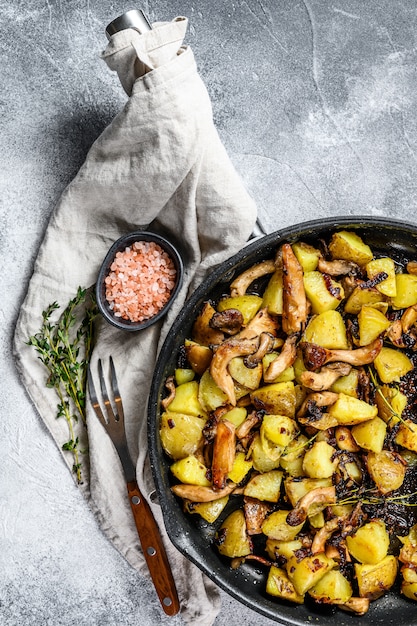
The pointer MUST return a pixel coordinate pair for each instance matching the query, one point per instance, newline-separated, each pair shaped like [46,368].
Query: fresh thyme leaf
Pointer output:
[64,346]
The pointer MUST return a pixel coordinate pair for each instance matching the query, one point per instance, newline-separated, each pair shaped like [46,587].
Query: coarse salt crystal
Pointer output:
[144,286]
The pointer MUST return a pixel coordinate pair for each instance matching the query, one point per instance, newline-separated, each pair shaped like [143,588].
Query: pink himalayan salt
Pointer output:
[140,281]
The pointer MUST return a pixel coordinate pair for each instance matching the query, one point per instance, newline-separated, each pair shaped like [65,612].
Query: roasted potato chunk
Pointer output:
[327,330]
[370,542]
[375,579]
[348,245]
[180,434]
[232,538]
[276,399]
[279,585]
[332,588]
[307,572]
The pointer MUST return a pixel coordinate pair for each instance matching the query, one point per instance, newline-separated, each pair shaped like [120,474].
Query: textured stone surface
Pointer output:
[316,104]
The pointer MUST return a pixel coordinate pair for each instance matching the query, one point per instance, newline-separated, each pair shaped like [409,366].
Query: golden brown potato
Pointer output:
[247,304]
[391,404]
[273,294]
[333,588]
[392,364]
[362,297]
[307,256]
[371,324]
[370,435]
[375,579]
[387,470]
[190,470]
[406,286]
[187,401]
[348,410]
[279,585]
[265,486]
[407,435]
[241,467]
[348,245]
[307,572]
[275,527]
[327,330]
[209,511]
[209,393]
[245,376]
[370,542]
[276,399]
[180,434]
[384,265]
[320,460]
[324,294]
[232,539]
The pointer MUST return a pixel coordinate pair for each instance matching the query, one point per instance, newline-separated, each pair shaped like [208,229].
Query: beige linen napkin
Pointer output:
[160,165]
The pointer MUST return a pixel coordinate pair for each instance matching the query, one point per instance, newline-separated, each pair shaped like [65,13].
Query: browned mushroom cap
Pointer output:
[228,350]
[345,440]
[246,426]
[315,356]
[262,322]
[266,344]
[294,314]
[239,286]
[197,493]
[285,359]
[321,495]
[322,423]
[412,267]
[395,333]
[409,318]
[202,333]
[255,514]
[229,321]
[223,453]
[356,605]
[320,399]
[339,267]
[319,381]
[324,534]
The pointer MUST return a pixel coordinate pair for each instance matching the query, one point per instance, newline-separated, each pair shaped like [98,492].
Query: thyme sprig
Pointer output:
[64,346]
[370,496]
[388,405]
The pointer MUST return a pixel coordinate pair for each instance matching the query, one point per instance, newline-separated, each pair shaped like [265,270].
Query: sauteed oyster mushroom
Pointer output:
[291,422]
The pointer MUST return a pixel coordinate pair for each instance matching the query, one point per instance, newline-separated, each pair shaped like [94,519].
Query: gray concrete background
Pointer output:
[315,101]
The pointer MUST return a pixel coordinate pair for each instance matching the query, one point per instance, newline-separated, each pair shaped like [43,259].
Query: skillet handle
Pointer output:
[153,550]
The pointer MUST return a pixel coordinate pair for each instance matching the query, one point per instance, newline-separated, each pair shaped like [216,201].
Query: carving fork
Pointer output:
[148,531]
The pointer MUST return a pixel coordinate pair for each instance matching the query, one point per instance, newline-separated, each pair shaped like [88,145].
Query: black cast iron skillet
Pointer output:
[189,533]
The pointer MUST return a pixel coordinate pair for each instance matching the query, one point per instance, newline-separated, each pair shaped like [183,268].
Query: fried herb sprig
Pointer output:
[64,346]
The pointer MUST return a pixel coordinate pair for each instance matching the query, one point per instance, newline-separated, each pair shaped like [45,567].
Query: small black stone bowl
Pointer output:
[119,246]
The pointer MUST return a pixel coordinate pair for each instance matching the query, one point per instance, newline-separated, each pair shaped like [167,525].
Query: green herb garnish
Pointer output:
[64,347]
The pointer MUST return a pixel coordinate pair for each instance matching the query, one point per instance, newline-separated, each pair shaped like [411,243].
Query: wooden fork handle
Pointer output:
[153,550]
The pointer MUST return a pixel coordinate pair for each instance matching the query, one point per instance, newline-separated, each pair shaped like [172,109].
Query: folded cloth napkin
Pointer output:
[159,165]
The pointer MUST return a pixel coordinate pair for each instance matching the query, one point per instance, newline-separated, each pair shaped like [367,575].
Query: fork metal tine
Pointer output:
[104,393]
[93,397]
[116,392]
